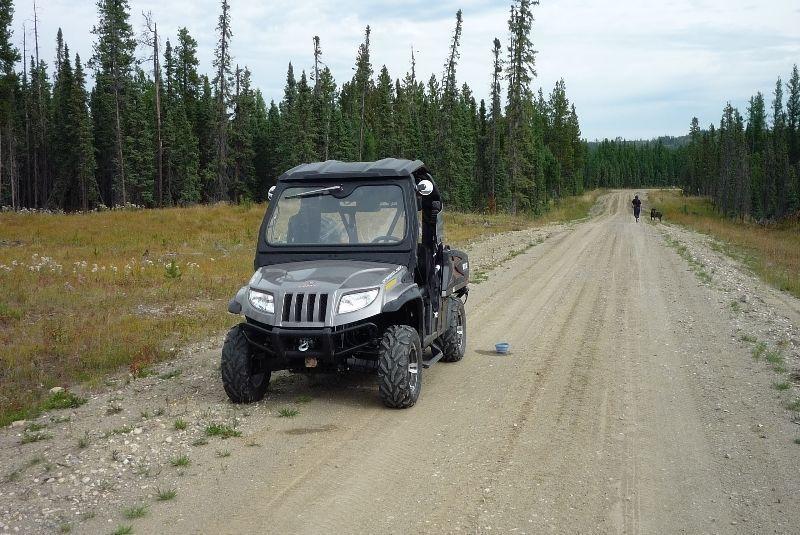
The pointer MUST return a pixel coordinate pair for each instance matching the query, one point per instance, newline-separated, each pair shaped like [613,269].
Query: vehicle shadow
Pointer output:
[350,389]
[492,353]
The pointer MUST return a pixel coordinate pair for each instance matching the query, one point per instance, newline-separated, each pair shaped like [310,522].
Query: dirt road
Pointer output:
[606,417]
[626,406]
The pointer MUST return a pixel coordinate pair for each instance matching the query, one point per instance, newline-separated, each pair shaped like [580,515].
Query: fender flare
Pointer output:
[411,295]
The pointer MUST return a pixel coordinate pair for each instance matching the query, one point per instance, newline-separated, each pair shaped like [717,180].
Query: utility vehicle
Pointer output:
[350,274]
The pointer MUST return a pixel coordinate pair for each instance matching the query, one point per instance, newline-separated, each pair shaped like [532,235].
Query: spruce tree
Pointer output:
[793,117]
[303,126]
[241,135]
[222,96]
[324,104]
[385,122]
[494,158]
[445,153]
[140,140]
[75,185]
[9,55]
[285,148]
[112,62]
[363,83]
[519,73]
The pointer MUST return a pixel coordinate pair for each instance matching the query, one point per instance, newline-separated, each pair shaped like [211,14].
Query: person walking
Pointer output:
[637,207]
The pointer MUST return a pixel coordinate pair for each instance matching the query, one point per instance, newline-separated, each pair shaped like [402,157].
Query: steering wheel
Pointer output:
[387,239]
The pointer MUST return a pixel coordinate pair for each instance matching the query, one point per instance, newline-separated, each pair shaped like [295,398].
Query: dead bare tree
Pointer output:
[41,163]
[151,40]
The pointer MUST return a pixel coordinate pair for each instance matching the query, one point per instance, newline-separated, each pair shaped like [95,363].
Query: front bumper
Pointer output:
[288,348]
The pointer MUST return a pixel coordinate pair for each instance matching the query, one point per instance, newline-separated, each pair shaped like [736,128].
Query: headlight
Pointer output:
[262,301]
[356,301]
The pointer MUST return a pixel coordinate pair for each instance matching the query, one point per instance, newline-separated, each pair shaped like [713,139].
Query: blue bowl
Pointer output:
[502,347]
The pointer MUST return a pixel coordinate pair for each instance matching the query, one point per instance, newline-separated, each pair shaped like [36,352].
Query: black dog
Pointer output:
[655,214]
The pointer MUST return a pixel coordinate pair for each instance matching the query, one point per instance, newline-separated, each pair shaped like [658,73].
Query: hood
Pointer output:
[307,294]
[322,276]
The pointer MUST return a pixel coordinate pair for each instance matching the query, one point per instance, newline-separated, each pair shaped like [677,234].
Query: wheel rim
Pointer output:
[413,369]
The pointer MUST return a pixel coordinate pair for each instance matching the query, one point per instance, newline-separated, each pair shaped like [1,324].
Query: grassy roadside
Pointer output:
[464,228]
[86,294]
[771,252]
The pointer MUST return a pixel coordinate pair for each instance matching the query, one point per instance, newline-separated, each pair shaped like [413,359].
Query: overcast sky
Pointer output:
[633,68]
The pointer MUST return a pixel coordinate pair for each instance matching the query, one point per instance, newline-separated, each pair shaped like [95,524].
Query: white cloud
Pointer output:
[635,69]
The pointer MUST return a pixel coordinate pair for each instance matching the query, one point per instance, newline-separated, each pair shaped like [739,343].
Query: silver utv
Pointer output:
[350,273]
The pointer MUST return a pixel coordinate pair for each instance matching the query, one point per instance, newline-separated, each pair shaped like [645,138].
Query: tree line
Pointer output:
[748,165]
[633,164]
[154,131]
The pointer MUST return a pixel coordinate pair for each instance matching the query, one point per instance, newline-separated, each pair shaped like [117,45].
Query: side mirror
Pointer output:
[425,187]
[271,193]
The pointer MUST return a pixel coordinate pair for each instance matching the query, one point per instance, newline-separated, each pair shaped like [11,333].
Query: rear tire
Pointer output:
[454,340]
[241,382]
[400,367]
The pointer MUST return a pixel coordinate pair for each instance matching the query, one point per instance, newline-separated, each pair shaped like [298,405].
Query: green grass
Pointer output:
[28,438]
[137,511]
[222,431]
[775,358]
[287,413]
[180,461]
[783,385]
[748,338]
[62,400]
[35,426]
[797,440]
[180,424]
[123,530]
[170,374]
[771,251]
[695,265]
[478,277]
[759,350]
[165,495]
[123,430]
[794,405]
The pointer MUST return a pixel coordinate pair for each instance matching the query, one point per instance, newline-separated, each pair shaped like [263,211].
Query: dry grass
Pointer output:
[772,252]
[464,228]
[82,295]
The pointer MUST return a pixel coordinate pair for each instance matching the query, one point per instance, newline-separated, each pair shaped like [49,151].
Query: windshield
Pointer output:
[338,215]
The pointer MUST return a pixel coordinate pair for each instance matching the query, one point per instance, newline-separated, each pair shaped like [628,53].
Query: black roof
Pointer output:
[388,167]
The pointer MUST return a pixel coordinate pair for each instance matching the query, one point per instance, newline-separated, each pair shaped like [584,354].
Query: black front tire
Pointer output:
[400,367]
[242,383]
[454,340]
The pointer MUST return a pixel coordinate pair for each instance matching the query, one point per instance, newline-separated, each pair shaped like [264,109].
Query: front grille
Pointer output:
[305,308]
